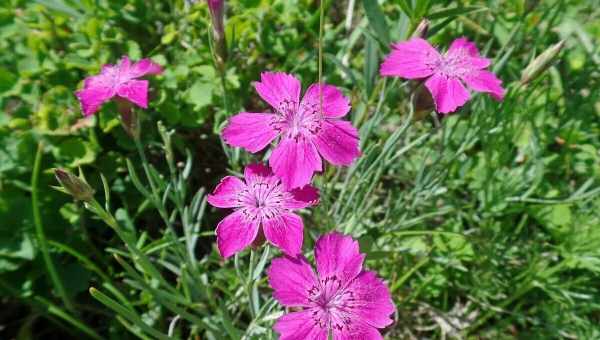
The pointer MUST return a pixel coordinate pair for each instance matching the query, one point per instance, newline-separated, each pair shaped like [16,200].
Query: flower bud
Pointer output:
[541,63]
[74,186]
[421,30]
[129,118]
[217,16]
[423,102]
[259,240]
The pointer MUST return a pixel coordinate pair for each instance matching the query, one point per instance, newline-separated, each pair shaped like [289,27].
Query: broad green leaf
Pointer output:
[200,94]
[7,80]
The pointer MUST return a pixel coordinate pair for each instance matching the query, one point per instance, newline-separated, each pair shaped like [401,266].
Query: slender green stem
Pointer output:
[224,89]
[249,281]
[41,235]
[321,26]
[86,236]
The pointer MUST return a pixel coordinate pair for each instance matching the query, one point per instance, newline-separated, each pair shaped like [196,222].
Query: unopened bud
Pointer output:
[217,16]
[423,102]
[259,240]
[541,63]
[129,118]
[421,30]
[73,185]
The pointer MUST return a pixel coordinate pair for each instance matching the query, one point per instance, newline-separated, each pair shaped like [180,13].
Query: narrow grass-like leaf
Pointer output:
[377,20]
[261,263]
[127,314]
[452,12]
[406,7]
[371,65]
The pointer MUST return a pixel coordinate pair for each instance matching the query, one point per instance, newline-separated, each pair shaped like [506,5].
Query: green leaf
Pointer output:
[133,50]
[406,7]
[75,152]
[452,12]
[261,264]
[75,278]
[200,94]
[7,80]
[560,215]
[60,6]
[170,34]
[377,20]
[421,8]
[371,64]
[126,313]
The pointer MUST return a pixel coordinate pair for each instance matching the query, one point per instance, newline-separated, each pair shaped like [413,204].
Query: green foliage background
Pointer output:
[486,226]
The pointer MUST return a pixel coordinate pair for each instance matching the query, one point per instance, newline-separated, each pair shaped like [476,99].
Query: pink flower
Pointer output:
[117,80]
[306,133]
[447,74]
[341,298]
[260,200]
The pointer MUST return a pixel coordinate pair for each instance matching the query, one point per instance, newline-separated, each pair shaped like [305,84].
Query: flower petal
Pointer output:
[251,131]
[299,326]
[448,93]
[463,44]
[485,81]
[335,104]
[280,90]
[225,194]
[234,233]
[257,172]
[357,330]
[337,141]
[106,78]
[338,254]
[373,302]
[466,50]
[410,59]
[136,91]
[92,98]
[295,160]
[291,279]
[301,197]
[285,231]
[144,67]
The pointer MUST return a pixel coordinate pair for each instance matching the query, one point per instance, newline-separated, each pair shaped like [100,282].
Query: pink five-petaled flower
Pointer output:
[342,299]
[260,200]
[461,64]
[117,80]
[305,131]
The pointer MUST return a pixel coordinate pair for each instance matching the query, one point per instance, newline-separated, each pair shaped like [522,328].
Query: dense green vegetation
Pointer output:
[484,224]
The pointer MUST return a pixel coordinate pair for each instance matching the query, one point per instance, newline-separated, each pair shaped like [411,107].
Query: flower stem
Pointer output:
[321,26]
[41,235]
[249,282]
